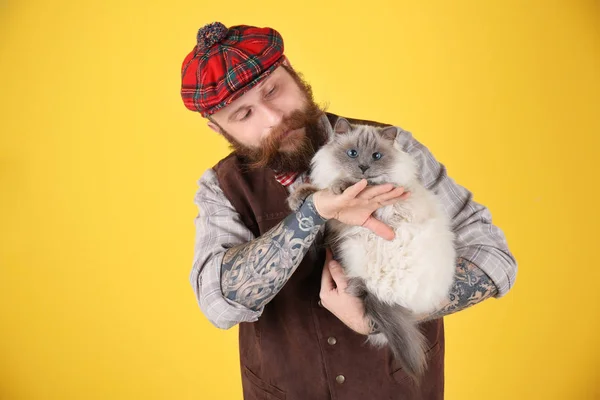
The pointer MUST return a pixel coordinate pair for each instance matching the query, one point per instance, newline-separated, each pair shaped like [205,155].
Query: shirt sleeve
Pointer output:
[477,239]
[218,228]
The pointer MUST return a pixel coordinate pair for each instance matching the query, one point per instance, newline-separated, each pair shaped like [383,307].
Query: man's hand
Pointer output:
[349,309]
[356,204]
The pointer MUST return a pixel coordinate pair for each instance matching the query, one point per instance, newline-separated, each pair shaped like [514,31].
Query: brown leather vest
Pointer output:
[298,350]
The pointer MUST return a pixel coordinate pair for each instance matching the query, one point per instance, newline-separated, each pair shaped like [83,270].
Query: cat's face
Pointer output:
[356,152]
[364,152]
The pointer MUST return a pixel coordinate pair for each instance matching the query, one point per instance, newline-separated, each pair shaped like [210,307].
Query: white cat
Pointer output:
[413,273]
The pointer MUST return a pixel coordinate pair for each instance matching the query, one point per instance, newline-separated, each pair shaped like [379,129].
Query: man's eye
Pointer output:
[246,115]
[271,91]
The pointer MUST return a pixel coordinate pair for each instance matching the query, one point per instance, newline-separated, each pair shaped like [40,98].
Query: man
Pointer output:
[260,265]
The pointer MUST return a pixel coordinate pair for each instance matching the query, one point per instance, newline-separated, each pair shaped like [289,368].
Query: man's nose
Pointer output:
[273,115]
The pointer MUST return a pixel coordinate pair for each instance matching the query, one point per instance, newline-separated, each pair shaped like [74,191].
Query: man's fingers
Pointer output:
[327,282]
[352,191]
[396,193]
[337,274]
[404,196]
[376,190]
[379,228]
[328,255]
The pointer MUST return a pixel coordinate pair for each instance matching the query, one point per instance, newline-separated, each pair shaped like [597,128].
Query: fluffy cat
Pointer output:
[397,279]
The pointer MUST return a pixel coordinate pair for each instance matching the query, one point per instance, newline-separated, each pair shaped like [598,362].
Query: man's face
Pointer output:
[275,124]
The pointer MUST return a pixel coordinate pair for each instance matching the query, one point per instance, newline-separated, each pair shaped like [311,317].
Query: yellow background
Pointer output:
[99,161]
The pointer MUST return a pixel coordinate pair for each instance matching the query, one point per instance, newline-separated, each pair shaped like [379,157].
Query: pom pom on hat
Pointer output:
[210,34]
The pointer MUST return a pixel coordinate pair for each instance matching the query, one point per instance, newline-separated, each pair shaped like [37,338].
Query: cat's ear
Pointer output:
[342,126]
[389,133]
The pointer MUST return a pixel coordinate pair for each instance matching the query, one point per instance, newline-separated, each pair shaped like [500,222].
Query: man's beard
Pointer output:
[269,153]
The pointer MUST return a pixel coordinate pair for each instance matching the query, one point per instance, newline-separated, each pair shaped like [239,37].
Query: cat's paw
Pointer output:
[341,185]
[296,199]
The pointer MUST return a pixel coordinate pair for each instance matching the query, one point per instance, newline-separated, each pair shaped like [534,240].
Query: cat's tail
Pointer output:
[398,329]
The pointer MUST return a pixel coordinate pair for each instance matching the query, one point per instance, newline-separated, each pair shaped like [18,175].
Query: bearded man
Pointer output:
[260,266]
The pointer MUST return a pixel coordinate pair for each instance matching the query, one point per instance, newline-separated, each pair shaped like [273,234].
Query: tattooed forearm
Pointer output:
[254,272]
[471,286]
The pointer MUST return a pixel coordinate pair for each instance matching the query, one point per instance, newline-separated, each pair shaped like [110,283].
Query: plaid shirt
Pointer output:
[219,227]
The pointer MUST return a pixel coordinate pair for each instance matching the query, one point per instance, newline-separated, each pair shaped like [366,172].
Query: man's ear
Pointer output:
[286,62]
[214,127]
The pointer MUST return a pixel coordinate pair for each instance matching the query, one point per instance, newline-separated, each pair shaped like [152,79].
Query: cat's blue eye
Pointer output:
[377,156]
[352,153]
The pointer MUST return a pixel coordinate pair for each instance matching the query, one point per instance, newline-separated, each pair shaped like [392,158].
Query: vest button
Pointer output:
[340,379]
[332,340]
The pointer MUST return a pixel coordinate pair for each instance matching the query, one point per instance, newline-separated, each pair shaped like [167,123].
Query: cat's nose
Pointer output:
[363,168]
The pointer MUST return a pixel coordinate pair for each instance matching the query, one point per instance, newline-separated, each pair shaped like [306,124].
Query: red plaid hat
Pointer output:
[226,63]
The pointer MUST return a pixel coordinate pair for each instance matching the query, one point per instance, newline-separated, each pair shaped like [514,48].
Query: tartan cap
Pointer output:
[226,63]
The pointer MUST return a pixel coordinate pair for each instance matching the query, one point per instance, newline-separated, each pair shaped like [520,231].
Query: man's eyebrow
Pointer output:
[258,86]
[264,81]
[261,83]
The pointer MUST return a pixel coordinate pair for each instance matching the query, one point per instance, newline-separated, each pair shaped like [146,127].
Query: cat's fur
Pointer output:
[397,279]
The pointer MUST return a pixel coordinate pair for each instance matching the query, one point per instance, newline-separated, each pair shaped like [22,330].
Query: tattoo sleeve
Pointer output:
[471,286]
[254,272]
